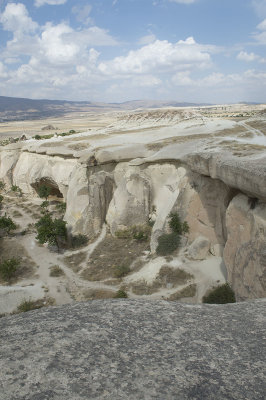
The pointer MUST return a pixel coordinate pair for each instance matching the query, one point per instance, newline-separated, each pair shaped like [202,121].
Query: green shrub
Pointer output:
[176,225]
[14,188]
[44,191]
[61,207]
[2,185]
[7,224]
[120,271]
[137,232]
[37,137]
[8,269]
[140,236]
[45,204]
[120,294]
[79,241]
[51,231]
[167,243]
[220,295]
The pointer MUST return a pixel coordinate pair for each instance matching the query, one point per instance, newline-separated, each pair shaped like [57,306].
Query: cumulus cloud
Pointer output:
[83,13]
[248,57]
[15,18]
[39,3]
[160,56]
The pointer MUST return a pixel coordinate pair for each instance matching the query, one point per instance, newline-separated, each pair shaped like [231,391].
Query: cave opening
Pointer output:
[54,189]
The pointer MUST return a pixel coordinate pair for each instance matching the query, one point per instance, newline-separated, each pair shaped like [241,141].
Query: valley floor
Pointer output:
[89,272]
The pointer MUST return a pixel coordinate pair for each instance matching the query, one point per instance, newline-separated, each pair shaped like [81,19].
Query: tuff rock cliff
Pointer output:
[137,171]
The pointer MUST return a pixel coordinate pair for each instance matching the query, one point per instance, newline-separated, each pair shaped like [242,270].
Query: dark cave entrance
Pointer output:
[55,192]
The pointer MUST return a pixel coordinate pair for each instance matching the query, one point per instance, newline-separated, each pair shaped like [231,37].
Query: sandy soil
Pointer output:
[71,285]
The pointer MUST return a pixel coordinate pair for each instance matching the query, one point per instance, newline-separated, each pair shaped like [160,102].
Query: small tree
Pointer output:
[176,225]
[61,207]
[51,231]
[169,242]
[7,224]
[44,191]
[8,269]
[44,206]
[2,185]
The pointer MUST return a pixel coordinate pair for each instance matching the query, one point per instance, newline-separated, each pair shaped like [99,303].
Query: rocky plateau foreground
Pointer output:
[207,164]
[134,349]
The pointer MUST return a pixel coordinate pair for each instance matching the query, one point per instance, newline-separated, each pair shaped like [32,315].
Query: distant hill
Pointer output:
[14,108]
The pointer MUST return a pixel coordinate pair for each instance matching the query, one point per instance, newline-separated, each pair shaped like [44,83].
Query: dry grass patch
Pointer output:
[188,291]
[13,249]
[167,278]
[75,260]
[29,305]
[16,214]
[56,271]
[96,294]
[112,252]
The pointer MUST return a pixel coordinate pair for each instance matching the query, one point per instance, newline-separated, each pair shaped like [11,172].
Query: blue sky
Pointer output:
[118,50]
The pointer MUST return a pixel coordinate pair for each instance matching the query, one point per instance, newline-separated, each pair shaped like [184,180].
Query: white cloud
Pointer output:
[147,39]
[262,25]
[83,13]
[248,57]
[160,56]
[15,18]
[261,36]
[3,71]
[39,3]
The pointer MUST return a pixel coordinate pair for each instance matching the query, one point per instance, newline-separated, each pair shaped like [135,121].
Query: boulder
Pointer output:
[199,249]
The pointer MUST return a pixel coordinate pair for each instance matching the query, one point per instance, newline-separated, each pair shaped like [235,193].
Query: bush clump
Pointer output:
[7,224]
[120,271]
[120,294]
[79,241]
[137,232]
[176,225]
[169,242]
[220,295]
[8,269]
[28,305]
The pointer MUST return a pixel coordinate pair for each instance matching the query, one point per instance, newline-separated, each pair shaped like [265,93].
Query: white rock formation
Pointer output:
[134,176]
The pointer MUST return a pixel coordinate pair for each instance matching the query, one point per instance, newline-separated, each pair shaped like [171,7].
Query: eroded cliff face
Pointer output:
[245,252]
[222,197]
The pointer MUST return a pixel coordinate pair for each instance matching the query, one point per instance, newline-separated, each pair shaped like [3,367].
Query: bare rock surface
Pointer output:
[244,252]
[124,349]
